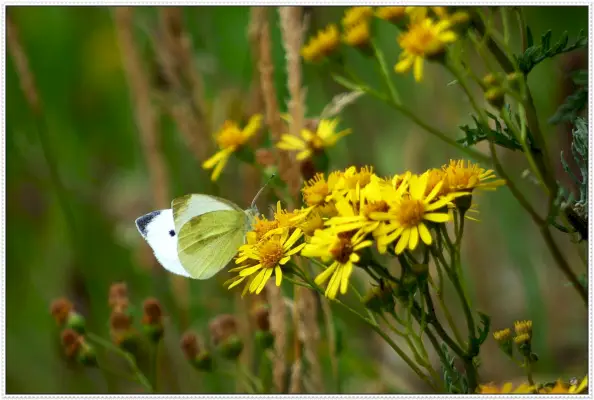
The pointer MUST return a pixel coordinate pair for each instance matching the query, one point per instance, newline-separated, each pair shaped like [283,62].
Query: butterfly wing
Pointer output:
[158,229]
[191,205]
[207,242]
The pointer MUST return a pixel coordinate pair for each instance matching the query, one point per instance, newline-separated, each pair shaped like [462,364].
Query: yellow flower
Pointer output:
[316,190]
[357,35]
[458,17]
[230,138]
[288,219]
[262,259]
[351,182]
[341,249]
[354,15]
[425,38]
[309,142]
[506,388]
[261,226]
[571,388]
[502,335]
[312,223]
[361,216]
[407,215]
[469,177]
[323,44]
[523,327]
[392,14]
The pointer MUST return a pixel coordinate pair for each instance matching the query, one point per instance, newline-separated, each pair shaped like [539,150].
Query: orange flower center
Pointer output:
[376,206]
[342,250]
[271,252]
[410,212]
[421,39]
[230,136]
[262,226]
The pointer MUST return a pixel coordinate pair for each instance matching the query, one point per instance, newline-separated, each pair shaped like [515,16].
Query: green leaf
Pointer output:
[529,38]
[502,136]
[486,326]
[574,103]
[535,54]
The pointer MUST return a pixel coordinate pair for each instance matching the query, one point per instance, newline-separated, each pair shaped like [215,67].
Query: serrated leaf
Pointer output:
[529,38]
[534,54]
[486,326]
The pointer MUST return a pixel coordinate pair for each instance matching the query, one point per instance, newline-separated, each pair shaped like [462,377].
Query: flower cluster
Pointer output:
[351,210]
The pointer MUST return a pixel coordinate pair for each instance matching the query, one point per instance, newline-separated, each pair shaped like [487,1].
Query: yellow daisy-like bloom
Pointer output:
[392,14]
[357,35]
[313,222]
[407,215]
[262,259]
[424,38]
[507,387]
[342,249]
[322,45]
[470,176]
[355,15]
[562,387]
[458,17]
[260,227]
[317,191]
[230,138]
[351,182]
[309,142]
[361,216]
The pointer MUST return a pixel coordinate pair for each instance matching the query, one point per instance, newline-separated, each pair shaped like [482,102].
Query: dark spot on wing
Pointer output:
[172,233]
[143,221]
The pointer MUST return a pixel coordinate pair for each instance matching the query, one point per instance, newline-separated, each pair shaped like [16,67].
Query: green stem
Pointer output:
[127,356]
[154,355]
[379,56]
[379,331]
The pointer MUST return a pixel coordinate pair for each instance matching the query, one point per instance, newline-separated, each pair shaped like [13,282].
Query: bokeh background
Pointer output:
[92,142]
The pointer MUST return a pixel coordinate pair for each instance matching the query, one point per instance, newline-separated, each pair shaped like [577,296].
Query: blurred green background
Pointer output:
[94,143]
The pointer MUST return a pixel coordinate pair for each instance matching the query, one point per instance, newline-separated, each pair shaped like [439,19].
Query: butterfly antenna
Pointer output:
[261,190]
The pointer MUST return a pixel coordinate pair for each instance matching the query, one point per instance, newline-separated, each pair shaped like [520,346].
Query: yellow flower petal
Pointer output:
[437,217]
[414,238]
[425,234]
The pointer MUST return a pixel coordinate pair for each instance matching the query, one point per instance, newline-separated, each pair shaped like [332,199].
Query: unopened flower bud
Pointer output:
[495,96]
[122,333]
[118,296]
[200,359]
[63,312]
[152,319]
[463,203]
[380,298]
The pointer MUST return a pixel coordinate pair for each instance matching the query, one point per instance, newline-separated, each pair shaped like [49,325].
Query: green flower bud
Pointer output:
[231,348]
[203,362]
[76,322]
[265,339]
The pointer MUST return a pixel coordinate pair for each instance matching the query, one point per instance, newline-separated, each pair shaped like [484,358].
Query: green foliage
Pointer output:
[454,381]
[534,54]
[502,136]
[574,103]
[579,151]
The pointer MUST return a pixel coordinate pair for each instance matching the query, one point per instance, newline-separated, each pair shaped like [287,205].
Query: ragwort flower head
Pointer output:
[257,262]
[324,43]
[507,387]
[310,142]
[355,15]
[569,388]
[351,181]
[392,14]
[341,250]
[424,39]
[229,139]
[408,215]
[467,177]
[357,35]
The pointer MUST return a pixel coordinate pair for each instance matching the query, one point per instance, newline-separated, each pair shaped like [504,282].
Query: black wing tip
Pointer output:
[142,222]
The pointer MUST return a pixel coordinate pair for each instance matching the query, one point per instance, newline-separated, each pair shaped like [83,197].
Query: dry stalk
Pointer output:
[183,89]
[307,331]
[26,78]
[278,327]
[145,113]
[287,171]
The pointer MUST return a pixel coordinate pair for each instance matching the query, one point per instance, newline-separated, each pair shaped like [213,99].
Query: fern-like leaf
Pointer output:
[535,54]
